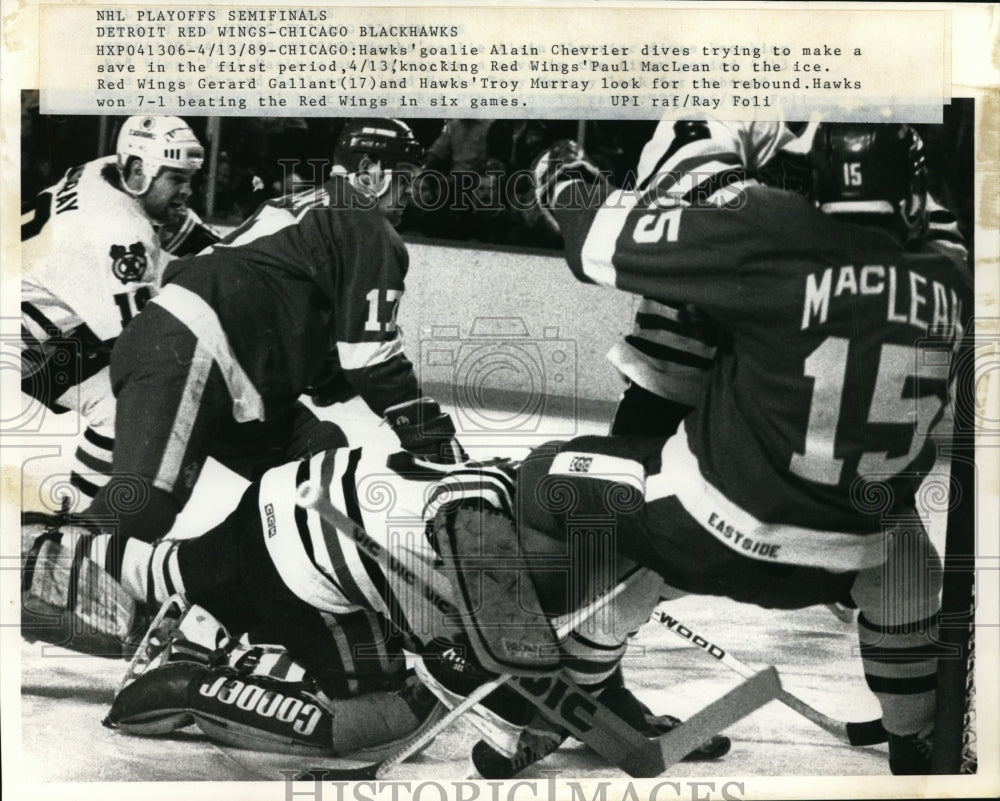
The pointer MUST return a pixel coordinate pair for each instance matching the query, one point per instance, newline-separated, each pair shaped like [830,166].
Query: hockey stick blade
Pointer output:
[735,705]
[589,720]
[856,733]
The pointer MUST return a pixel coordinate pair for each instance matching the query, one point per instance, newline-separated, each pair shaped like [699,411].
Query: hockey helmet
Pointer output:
[370,148]
[871,169]
[160,142]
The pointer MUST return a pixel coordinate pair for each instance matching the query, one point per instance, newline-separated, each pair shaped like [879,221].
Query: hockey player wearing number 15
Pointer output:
[217,361]
[792,483]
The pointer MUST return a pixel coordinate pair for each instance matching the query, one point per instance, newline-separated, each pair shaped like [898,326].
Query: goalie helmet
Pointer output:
[369,149]
[160,142]
[871,169]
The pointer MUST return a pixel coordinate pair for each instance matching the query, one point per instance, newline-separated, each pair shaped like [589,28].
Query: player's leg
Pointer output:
[90,469]
[898,605]
[170,399]
[641,413]
[564,487]
[352,659]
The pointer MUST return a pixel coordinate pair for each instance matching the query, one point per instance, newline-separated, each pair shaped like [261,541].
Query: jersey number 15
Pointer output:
[910,392]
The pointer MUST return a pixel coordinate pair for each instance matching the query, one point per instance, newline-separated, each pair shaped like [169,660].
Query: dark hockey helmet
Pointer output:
[871,169]
[369,148]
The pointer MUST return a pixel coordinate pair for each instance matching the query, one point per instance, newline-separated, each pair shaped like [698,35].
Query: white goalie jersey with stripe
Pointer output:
[392,496]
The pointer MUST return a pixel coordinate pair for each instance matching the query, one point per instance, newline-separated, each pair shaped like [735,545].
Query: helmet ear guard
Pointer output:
[160,142]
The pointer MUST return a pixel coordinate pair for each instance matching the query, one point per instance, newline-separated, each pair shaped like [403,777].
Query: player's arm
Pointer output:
[188,237]
[372,357]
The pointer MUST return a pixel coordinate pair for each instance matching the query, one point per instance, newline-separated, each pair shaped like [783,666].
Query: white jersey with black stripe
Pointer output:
[91,256]
[671,347]
[389,494]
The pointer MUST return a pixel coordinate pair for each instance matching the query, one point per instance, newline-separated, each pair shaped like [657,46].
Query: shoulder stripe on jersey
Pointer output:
[267,220]
[654,323]
[344,581]
[668,353]
[602,238]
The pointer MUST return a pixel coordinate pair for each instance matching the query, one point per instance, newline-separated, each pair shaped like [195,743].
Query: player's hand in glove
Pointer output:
[564,162]
[426,431]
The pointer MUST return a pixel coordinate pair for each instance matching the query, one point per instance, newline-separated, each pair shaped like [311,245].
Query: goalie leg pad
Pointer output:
[494,591]
[71,601]
[258,713]
[375,725]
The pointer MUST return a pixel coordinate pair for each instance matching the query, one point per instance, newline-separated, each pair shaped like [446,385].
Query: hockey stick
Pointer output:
[858,733]
[559,699]
[579,713]
[563,626]
[379,770]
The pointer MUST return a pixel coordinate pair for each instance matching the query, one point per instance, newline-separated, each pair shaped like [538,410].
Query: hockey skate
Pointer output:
[911,754]
[179,632]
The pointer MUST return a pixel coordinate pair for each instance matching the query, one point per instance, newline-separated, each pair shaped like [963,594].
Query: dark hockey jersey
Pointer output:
[303,274]
[833,361]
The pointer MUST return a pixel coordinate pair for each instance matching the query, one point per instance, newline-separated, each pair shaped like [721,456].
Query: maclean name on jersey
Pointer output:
[909,297]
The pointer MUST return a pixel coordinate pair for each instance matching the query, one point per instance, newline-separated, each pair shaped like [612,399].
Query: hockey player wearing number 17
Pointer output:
[215,364]
[792,483]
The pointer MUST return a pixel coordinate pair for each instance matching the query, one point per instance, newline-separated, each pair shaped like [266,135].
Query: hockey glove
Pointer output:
[565,161]
[426,431]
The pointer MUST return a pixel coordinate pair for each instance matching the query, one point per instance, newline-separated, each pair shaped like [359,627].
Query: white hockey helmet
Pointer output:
[160,142]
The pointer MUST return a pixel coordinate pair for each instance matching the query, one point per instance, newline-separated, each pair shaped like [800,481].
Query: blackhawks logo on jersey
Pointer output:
[128,264]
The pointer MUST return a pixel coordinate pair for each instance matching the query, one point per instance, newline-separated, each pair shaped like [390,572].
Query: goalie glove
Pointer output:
[556,167]
[426,431]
